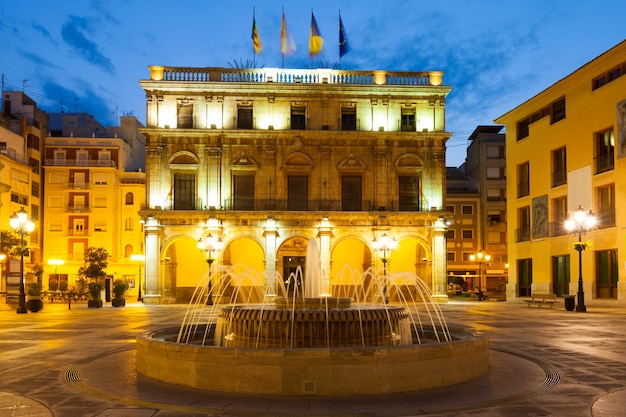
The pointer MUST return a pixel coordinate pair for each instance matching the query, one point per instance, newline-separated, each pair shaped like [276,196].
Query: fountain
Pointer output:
[310,343]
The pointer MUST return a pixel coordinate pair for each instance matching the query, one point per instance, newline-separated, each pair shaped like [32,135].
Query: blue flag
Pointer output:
[344,46]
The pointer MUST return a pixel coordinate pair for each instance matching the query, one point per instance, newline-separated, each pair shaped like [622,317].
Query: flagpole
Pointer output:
[283,36]
[253,49]
[339,39]
[310,56]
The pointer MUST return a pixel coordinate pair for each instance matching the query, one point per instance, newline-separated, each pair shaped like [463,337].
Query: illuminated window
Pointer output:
[605,151]
[297,192]
[298,117]
[348,118]
[409,193]
[244,118]
[407,120]
[523,180]
[559,167]
[351,193]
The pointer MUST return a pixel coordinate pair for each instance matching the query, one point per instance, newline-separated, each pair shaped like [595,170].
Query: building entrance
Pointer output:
[293,279]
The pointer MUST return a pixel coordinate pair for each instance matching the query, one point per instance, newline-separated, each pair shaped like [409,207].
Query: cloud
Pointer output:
[73,32]
[43,31]
[70,100]
[38,60]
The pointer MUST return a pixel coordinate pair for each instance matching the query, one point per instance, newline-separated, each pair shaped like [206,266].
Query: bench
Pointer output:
[542,299]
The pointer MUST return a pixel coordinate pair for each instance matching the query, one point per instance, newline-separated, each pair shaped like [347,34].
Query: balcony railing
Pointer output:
[522,235]
[81,162]
[295,76]
[558,229]
[605,163]
[78,209]
[559,178]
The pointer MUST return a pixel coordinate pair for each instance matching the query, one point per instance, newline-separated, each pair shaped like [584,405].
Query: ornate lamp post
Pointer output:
[209,244]
[480,257]
[56,263]
[384,246]
[580,223]
[139,258]
[22,226]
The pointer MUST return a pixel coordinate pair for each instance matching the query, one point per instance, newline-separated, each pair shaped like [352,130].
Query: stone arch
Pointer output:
[298,163]
[241,276]
[409,162]
[182,267]
[351,258]
[183,158]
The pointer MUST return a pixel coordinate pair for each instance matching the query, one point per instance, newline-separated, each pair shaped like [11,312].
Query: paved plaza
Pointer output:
[80,362]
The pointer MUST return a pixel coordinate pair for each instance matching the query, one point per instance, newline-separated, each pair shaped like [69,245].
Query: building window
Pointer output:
[524,277]
[184,191]
[19,199]
[605,149]
[32,141]
[607,273]
[493,152]
[606,206]
[100,178]
[466,256]
[450,209]
[523,129]
[297,192]
[128,224]
[298,117]
[82,157]
[55,201]
[494,237]
[34,189]
[130,199]
[468,234]
[560,275]
[34,165]
[608,76]
[451,256]
[243,192]
[450,234]
[557,110]
[348,118]
[59,155]
[244,118]
[523,224]
[493,194]
[493,173]
[55,225]
[409,193]
[467,210]
[407,121]
[523,180]
[559,167]
[494,217]
[100,226]
[351,193]
[559,215]
[184,118]
[100,202]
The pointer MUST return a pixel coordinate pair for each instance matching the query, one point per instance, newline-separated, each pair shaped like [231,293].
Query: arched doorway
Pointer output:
[241,276]
[351,257]
[291,256]
[182,267]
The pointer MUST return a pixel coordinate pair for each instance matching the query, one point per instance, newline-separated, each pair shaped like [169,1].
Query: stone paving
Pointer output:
[545,362]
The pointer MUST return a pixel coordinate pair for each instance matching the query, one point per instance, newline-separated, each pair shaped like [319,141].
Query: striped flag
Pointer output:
[316,42]
[287,45]
[256,41]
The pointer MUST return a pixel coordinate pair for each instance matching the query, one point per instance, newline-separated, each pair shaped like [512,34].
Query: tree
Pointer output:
[96,261]
[10,243]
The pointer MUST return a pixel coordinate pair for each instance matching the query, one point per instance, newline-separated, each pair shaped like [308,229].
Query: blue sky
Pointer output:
[89,55]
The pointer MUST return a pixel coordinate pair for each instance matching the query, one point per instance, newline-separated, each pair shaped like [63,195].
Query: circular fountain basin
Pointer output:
[313,371]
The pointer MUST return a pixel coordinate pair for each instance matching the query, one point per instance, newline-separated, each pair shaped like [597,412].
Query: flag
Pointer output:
[316,42]
[344,46]
[256,41]
[287,45]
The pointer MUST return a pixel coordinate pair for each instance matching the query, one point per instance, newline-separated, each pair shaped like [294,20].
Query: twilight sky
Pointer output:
[88,55]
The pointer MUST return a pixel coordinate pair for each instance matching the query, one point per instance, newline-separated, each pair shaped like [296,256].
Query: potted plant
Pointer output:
[96,260]
[119,289]
[33,290]
[95,294]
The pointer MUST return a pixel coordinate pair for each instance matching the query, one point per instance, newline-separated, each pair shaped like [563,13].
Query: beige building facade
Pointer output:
[267,159]
[566,148]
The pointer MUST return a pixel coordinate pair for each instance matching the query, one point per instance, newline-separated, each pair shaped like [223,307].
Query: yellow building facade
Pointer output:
[566,148]
[267,159]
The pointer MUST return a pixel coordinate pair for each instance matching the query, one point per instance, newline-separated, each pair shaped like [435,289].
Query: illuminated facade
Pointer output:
[267,159]
[92,199]
[566,147]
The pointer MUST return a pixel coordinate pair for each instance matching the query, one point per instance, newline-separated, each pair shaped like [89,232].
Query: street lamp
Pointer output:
[580,223]
[384,246]
[480,257]
[22,225]
[56,263]
[209,244]
[139,258]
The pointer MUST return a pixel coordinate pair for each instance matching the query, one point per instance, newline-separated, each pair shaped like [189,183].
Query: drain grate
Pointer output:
[72,375]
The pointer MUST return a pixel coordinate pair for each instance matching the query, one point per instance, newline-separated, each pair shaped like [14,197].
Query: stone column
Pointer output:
[325,234]
[439,261]
[271,235]
[154,284]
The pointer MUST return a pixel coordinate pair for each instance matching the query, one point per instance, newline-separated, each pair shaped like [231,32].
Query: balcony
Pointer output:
[522,235]
[77,209]
[81,162]
[294,76]
[604,163]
